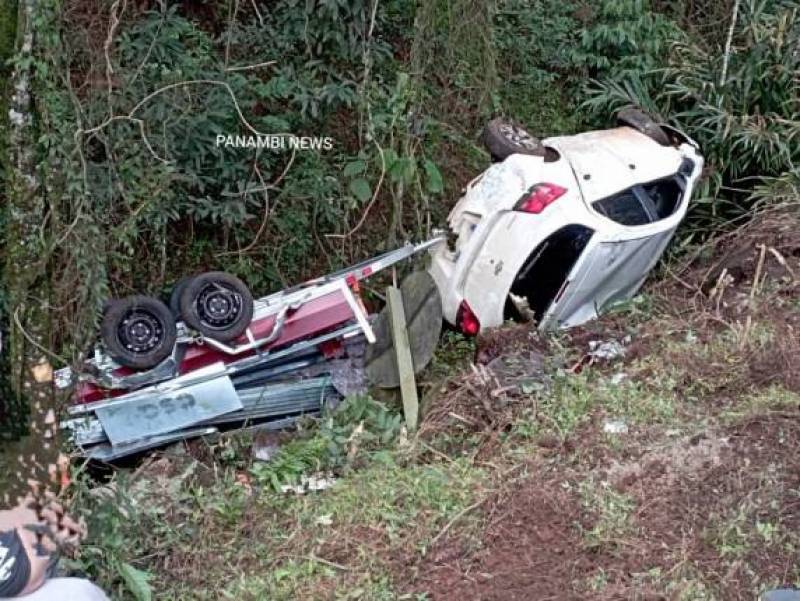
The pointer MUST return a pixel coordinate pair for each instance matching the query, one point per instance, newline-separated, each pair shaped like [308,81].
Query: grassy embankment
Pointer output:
[515,488]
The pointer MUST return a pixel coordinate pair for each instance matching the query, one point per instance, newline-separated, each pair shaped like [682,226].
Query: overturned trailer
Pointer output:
[163,375]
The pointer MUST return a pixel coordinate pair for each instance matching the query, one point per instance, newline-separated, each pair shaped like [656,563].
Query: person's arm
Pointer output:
[15,569]
[32,537]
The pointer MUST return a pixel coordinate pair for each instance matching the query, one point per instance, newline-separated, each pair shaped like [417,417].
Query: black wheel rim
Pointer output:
[218,306]
[140,331]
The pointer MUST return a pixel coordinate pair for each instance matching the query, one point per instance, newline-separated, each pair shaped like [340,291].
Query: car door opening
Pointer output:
[543,275]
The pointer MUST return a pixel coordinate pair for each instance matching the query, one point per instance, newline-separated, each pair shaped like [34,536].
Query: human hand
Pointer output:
[43,528]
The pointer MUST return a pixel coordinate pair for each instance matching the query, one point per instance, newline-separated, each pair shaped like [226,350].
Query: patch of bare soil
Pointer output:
[697,505]
[531,550]
[737,516]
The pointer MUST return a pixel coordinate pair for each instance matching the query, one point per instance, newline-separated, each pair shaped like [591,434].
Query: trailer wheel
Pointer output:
[175,295]
[643,123]
[138,331]
[218,305]
[503,138]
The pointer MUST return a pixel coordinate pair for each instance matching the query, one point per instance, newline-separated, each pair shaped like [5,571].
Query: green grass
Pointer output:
[612,511]
[575,398]
[385,506]
[402,508]
[264,544]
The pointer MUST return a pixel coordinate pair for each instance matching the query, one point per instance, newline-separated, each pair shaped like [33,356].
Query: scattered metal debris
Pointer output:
[312,483]
[607,350]
[615,426]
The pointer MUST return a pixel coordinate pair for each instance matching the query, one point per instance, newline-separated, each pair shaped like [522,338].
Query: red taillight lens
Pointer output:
[467,321]
[539,197]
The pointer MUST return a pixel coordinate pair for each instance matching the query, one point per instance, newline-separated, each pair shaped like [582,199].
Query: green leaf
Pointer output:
[402,83]
[389,158]
[434,177]
[399,169]
[354,168]
[361,189]
[137,582]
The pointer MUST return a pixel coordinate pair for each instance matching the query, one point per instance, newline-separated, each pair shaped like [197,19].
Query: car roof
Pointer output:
[610,160]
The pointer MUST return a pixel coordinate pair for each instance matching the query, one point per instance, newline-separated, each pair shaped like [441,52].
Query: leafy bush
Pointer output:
[746,119]
[621,38]
[546,50]
[536,84]
[360,425]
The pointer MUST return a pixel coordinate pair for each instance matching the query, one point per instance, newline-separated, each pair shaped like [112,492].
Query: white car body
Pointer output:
[494,241]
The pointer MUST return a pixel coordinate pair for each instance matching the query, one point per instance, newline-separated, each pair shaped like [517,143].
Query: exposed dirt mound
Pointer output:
[531,550]
[734,517]
[776,231]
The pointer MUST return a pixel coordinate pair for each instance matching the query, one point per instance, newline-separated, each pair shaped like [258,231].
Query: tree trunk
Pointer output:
[25,277]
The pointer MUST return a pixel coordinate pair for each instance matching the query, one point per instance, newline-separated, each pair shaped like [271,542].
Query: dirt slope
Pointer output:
[702,505]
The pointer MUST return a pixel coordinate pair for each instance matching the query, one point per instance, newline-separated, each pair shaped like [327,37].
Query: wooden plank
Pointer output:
[405,364]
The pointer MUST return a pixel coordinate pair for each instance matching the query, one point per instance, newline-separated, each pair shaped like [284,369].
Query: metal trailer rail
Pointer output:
[280,304]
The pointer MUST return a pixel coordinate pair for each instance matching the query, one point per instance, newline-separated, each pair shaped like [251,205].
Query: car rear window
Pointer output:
[665,194]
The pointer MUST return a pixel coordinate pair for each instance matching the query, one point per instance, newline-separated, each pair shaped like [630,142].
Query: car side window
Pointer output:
[643,204]
[624,208]
[665,194]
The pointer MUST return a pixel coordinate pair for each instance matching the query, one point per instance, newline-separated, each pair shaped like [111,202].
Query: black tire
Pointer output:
[218,305]
[175,295]
[107,304]
[138,331]
[503,138]
[423,310]
[644,123]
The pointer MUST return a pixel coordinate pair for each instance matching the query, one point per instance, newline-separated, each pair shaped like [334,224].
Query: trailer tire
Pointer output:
[217,304]
[643,123]
[138,331]
[503,138]
[175,295]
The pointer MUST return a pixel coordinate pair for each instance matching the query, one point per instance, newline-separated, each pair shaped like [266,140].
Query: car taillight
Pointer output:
[466,320]
[539,197]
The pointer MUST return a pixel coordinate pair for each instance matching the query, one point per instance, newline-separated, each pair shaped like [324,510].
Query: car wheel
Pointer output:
[217,304]
[504,138]
[644,123]
[138,331]
[175,295]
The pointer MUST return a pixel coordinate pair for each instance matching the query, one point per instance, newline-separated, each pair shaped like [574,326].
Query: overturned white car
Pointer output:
[561,229]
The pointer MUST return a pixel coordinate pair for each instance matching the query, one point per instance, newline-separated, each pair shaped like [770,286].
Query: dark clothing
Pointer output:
[15,568]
